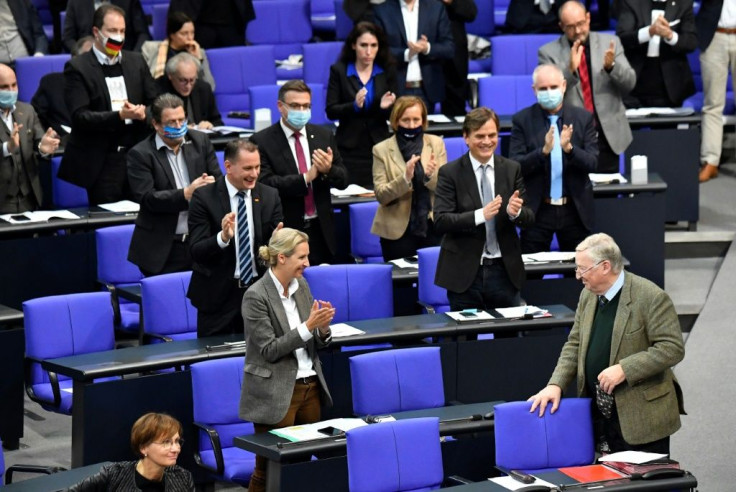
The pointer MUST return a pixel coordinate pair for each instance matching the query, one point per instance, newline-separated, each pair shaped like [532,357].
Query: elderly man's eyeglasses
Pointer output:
[578,26]
[168,443]
[580,272]
[185,81]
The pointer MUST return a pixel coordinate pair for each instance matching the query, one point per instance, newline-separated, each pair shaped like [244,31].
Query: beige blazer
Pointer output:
[392,191]
[647,342]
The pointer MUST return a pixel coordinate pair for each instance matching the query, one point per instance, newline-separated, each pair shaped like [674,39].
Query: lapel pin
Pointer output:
[256,200]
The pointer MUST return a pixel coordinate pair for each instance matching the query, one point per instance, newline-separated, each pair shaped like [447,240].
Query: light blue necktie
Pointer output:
[487,195]
[555,184]
[245,260]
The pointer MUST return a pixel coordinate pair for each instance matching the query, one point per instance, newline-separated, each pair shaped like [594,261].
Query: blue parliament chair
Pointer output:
[397,380]
[365,246]
[216,397]
[168,313]
[44,14]
[517,54]
[30,69]
[506,94]
[484,26]
[343,23]
[524,441]
[114,270]
[322,14]
[159,16]
[236,69]
[432,297]
[283,24]
[455,147]
[63,193]
[398,456]
[349,287]
[318,57]
[220,154]
[61,326]
[500,7]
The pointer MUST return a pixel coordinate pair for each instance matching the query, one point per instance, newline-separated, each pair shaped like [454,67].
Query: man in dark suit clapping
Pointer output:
[163,171]
[557,147]
[302,162]
[228,221]
[478,203]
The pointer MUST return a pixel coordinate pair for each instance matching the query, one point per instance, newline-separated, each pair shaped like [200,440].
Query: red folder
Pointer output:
[591,473]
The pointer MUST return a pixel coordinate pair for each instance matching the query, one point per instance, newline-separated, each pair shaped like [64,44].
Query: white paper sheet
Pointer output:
[548,256]
[351,190]
[509,483]
[342,330]
[635,457]
[121,206]
[521,311]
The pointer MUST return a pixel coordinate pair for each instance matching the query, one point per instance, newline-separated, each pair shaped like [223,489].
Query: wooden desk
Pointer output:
[290,468]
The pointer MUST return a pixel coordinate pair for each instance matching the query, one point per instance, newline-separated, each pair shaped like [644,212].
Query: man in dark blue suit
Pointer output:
[420,38]
[557,147]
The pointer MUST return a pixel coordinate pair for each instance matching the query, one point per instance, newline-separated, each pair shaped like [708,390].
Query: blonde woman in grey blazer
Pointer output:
[283,383]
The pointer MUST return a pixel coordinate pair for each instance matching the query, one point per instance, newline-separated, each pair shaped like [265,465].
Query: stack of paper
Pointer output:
[38,216]
[522,311]
[311,431]
[548,256]
[123,206]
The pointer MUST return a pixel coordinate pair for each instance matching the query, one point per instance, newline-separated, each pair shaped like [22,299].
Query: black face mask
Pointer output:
[409,133]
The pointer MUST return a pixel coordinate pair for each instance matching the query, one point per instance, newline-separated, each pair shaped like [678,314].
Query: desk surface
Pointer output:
[86,367]
[669,484]
[89,218]
[55,481]
[267,444]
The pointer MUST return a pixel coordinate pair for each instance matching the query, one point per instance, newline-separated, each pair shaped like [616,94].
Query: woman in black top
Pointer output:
[360,94]
[156,439]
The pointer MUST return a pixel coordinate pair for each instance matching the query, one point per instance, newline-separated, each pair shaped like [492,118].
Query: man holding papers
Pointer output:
[620,352]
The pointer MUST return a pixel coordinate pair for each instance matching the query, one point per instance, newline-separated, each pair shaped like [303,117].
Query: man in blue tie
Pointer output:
[557,146]
[228,221]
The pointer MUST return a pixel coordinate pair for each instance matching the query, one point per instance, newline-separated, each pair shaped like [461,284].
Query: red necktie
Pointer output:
[585,83]
[309,209]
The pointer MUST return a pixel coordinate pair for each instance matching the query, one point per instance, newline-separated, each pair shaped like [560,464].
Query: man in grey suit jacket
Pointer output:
[283,384]
[620,351]
[598,76]
[163,172]
[22,140]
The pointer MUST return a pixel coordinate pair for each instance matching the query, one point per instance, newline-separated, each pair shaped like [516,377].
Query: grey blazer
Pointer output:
[647,342]
[270,363]
[608,88]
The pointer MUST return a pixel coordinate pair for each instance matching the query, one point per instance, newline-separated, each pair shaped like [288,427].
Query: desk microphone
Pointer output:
[469,418]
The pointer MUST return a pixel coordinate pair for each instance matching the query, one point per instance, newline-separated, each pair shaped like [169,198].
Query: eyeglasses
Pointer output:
[297,106]
[580,272]
[168,443]
[578,26]
[184,81]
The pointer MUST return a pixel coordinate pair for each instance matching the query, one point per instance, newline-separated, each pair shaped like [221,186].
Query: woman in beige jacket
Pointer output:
[405,169]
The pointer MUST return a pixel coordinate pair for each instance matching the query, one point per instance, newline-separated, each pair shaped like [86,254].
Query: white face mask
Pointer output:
[112,44]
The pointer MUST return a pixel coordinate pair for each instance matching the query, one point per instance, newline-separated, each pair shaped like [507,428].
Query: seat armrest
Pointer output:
[428,307]
[454,480]
[47,470]
[147,336]
[216,447]
[53,380]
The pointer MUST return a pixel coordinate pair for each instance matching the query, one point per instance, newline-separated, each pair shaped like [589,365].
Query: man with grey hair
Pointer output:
[182,78]
[556,145]
[598,76]
[620,352]
[163,171]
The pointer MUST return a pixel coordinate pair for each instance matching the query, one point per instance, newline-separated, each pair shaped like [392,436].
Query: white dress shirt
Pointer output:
[306,368]
[232,192]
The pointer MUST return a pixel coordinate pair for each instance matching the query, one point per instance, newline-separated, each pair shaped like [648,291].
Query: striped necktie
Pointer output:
[245,260]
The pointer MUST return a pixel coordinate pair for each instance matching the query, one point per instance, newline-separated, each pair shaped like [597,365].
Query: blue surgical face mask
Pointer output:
[8,99]
[549,99]
[173,133]
[297,118]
